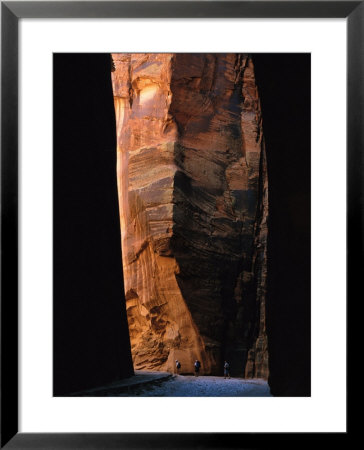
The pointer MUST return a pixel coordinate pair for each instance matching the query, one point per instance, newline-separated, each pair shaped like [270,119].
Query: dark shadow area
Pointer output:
[91,340]
[284,83]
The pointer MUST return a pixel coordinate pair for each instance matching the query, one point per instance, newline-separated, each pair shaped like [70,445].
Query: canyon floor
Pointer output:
[202,386]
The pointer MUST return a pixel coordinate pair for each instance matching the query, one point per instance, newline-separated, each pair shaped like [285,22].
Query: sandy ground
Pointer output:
[190,386]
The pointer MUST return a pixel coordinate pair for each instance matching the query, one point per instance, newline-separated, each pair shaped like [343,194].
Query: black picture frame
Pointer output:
[11,12]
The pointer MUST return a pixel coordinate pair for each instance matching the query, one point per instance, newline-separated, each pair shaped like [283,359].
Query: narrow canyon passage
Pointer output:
[175,210]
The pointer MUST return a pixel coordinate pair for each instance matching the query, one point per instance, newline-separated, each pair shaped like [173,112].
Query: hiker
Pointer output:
[226,369]
[178,365]
[197,367]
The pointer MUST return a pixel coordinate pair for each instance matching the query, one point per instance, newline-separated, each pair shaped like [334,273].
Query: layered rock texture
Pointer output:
[193,196]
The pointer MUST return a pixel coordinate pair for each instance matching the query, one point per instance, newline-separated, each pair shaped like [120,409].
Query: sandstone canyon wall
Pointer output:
[193,196]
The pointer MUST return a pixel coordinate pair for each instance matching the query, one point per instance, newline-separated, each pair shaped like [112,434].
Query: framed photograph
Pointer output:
[179,181]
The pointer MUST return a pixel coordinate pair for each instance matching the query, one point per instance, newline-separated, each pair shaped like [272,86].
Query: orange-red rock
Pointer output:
[193,207]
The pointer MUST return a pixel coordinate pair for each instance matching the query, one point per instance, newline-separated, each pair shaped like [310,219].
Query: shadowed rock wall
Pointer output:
[284,82]
[193,196]
[91,342]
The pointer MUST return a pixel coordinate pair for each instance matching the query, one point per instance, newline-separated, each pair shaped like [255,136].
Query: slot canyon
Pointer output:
[208,158]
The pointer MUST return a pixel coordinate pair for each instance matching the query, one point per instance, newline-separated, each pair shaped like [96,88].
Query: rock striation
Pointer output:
[193,196]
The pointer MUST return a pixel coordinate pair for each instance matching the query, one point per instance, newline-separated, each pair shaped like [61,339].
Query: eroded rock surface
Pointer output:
[193,207]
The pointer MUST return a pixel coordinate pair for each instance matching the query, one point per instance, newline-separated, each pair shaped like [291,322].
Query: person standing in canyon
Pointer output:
[178,366]
[197,367]
[226,369]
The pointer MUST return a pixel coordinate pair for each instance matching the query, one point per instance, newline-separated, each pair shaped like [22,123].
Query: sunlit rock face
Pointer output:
[193,196]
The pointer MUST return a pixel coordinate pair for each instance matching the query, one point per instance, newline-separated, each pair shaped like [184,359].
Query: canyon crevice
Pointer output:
[193,198]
